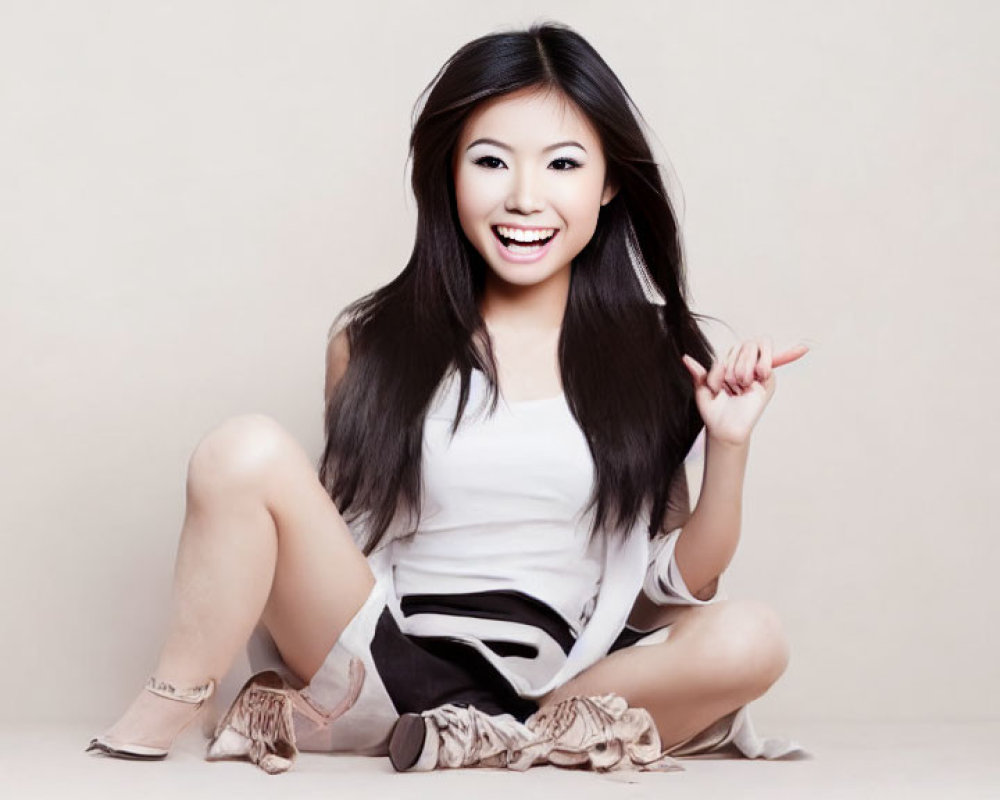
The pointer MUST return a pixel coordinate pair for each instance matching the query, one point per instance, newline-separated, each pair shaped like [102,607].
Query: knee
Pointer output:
[239,452]
[746,646]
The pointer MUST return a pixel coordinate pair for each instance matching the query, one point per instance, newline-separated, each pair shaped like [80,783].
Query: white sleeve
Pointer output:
[664,584]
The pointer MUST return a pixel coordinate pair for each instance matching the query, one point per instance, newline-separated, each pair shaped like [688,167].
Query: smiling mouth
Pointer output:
[519,246]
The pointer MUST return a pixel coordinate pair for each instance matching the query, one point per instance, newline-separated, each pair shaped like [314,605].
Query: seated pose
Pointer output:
[500,519]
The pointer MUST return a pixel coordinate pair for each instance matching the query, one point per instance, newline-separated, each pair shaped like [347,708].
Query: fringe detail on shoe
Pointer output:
[259,725]
[600,733]
[470,738]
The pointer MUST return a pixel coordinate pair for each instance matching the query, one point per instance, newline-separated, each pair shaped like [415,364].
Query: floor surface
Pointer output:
[945,761]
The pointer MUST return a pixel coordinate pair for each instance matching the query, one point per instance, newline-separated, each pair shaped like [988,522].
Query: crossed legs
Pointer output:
[717,658]
[262,541]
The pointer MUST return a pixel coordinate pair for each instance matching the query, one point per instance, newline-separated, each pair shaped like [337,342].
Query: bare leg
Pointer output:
[261,541]
[718,658]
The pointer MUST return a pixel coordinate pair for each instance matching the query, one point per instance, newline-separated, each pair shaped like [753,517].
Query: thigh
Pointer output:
[727,644]
[647,615]
[321,578]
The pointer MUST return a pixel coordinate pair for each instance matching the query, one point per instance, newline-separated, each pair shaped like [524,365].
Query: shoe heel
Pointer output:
[406,742]
[302,703]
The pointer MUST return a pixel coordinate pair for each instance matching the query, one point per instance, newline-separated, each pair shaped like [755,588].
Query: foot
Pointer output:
[151,721]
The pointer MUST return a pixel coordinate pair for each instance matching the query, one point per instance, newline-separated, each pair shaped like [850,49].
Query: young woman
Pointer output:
[501,518]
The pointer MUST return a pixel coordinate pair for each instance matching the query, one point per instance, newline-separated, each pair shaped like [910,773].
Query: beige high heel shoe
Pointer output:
[196,695]
[260,726]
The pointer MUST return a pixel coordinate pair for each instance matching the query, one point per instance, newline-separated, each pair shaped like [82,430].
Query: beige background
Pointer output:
[190,191]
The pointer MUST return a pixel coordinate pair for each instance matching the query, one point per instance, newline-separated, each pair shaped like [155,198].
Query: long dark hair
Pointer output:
[619,354]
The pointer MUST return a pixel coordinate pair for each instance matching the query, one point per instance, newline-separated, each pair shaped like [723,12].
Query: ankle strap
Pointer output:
[194,694]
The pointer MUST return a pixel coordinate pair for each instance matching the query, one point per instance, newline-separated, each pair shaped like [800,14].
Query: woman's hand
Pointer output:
[732,395]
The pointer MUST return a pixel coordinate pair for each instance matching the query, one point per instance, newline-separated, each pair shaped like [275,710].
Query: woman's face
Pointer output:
[529,183]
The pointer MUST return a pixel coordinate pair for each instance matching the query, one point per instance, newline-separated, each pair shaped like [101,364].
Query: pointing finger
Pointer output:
[790,355]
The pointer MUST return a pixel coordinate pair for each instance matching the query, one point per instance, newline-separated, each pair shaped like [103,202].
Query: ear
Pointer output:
[610,190]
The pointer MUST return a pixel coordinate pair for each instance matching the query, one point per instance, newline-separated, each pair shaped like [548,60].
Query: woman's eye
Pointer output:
[490,162]
[568,163]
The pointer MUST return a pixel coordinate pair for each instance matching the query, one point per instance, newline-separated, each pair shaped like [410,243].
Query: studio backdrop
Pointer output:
[190,192]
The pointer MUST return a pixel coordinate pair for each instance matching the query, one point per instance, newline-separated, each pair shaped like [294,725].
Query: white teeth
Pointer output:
[525,236]
[521,248]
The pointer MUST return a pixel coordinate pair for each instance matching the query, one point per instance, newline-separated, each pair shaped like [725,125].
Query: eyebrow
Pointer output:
[507,147]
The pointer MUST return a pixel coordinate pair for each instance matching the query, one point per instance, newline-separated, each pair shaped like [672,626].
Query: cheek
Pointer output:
[474,196]
[581,209]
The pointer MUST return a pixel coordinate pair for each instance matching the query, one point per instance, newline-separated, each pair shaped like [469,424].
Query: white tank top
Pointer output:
[502,504]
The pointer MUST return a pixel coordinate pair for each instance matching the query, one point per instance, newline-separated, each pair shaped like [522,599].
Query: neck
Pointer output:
[537,308]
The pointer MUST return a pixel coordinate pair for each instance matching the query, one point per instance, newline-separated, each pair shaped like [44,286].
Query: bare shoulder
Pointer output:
[338,354]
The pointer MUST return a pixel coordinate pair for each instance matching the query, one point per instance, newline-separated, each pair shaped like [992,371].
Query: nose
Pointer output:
[525,194]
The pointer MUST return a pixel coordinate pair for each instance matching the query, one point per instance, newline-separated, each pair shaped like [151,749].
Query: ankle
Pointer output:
[184,692]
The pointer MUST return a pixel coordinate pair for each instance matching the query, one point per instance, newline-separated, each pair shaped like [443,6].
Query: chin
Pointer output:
[528,275]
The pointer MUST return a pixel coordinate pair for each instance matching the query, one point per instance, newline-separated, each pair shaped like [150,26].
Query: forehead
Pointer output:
[530,118]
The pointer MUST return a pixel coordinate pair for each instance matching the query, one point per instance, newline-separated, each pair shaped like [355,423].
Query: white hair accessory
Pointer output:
[649,287]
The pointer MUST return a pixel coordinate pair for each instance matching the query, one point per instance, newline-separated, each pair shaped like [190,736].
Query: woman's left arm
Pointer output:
[708,539]
[730,396]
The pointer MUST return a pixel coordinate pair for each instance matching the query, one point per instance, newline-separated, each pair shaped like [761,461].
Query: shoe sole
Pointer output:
[111,751]
[407,741]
